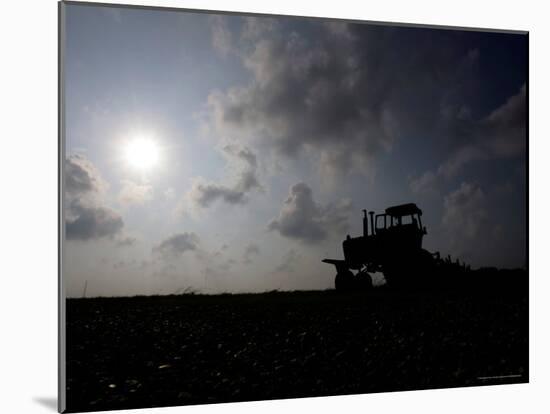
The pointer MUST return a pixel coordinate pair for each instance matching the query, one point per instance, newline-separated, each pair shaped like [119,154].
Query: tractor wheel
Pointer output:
[363,281]
[343,281]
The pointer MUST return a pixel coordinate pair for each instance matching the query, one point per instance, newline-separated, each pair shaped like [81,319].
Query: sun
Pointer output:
[142,153]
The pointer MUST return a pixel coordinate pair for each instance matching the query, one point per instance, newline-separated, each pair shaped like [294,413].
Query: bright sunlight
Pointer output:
[142,153]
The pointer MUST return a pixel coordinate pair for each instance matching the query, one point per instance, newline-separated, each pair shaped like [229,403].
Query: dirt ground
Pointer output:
[195,349]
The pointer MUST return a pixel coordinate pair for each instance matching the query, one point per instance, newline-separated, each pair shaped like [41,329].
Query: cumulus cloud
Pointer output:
[465,215]
[92,223]
[82,178]
[86,216]
[204,194]
[303,219]
[177,244]
[135,193]
[343,92]
[243,160]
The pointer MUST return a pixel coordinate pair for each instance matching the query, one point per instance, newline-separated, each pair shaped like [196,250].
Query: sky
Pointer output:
[224,153]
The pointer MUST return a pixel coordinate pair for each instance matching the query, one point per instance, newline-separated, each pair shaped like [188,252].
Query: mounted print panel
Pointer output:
[265,207]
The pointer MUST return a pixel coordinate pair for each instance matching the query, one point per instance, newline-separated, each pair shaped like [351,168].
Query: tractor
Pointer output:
[393,247]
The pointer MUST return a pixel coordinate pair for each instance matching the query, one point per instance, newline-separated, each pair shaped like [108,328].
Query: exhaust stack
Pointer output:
[371,214]
[365,224]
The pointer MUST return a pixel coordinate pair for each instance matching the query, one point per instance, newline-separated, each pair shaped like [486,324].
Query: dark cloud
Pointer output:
[343,91]
[92,223]
[203,194]
[177,244]
[500,135]
[86,216]
[301,218]
[82,177]
[433,181]
[505,129]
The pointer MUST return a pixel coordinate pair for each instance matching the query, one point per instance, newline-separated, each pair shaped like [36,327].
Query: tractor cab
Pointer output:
[400,228]
[401,217]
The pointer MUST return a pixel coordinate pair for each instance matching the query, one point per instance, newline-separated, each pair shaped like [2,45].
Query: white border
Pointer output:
[29,203]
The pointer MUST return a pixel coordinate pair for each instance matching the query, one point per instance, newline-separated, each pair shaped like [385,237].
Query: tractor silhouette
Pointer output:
[393,247]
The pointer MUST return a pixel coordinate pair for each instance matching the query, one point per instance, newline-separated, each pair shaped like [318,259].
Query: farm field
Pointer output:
[154,351]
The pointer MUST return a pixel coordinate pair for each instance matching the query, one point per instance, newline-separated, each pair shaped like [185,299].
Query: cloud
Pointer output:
[204,193]
[500,135]
[86,216]
[135,193]
[459,159]
[288,262]
[82,178]
[251,250]
[425,183]
[177,244]
[465,215]
[301,218]
[431,182]
[341,92]
[505,129]
[126,241]
[92,223]
[222,38]
[127,263]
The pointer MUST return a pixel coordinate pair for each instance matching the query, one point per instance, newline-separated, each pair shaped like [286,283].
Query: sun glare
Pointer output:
[142,153]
